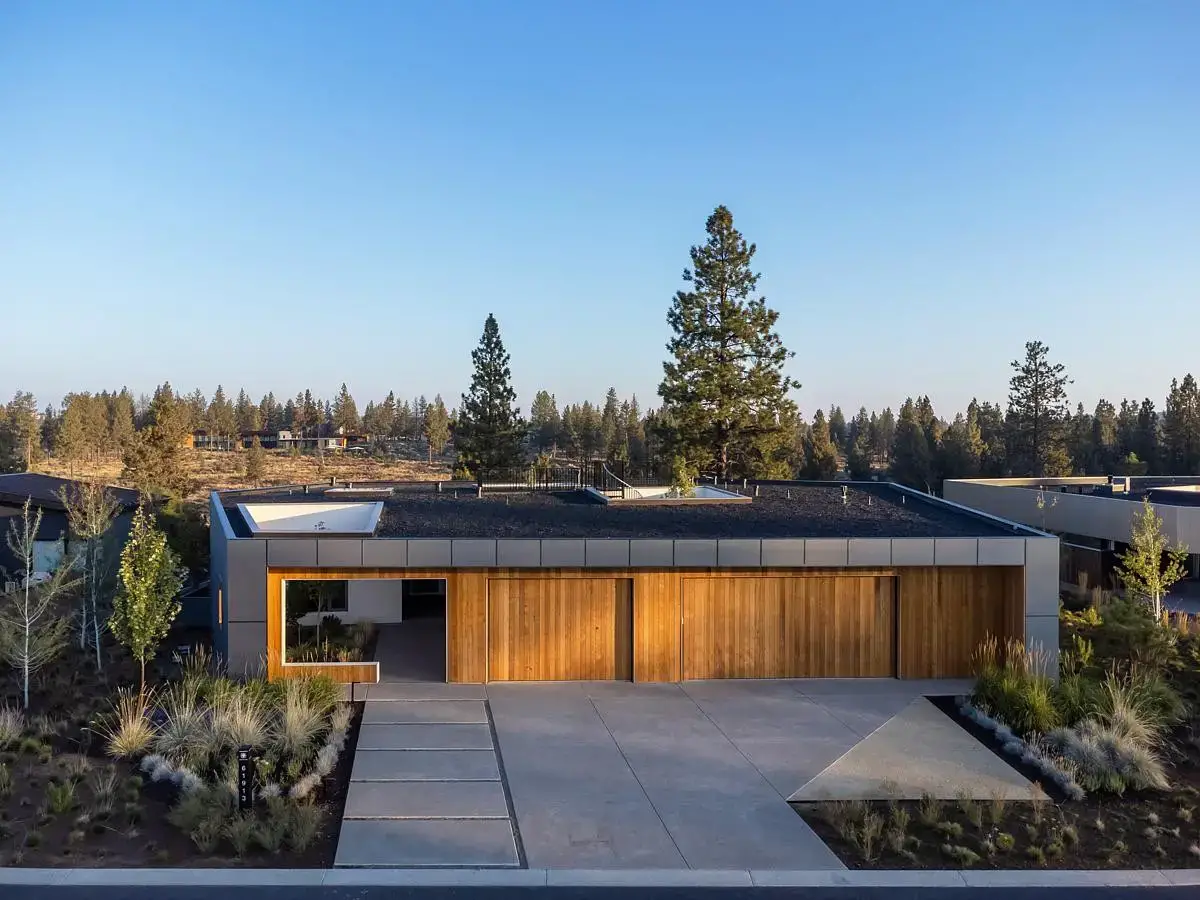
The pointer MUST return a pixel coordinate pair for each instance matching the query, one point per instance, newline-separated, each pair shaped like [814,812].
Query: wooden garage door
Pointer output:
[559,629]
[785,627]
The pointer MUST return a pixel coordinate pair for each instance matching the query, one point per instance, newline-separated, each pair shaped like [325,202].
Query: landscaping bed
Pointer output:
[66,801]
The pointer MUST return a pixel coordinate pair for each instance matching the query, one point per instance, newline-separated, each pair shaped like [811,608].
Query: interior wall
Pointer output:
[375,601]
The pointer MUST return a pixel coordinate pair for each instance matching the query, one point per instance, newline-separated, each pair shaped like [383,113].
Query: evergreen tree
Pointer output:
[20,434]
[635,434]
[437,427]
[120,420]
[994,461]
[241,412]
[196,410]
[1105,446]
[727,361]
[821,461]
[544,422]
[256,463]
[1181,428]
[221,419]
[883,436]
[1037,408]
[301,411]
[1078,429]
[911,457]
[1127,416]
[1148,446]
[489,427]
[313,417]
[386,415]
[289,415]
[859,453]
[962,447]
[154,460]
[609,420]
[837,427]
[71,443]
[344,413]
[49,430]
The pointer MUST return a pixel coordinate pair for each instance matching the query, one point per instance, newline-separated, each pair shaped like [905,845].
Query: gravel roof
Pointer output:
[796,510]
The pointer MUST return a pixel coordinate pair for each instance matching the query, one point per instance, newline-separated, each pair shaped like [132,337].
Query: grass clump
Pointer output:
[127,730]
[60,798]
[12,726]
[1013,685]
[929,810]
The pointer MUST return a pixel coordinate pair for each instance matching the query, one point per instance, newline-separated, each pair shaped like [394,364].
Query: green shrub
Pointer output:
[1076,698]
[60,798]
[1014,687]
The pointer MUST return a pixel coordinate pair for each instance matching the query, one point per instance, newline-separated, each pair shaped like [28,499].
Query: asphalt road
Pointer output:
[22,892]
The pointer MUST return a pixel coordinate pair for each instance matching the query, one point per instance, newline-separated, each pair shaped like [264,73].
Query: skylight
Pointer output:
[311,518]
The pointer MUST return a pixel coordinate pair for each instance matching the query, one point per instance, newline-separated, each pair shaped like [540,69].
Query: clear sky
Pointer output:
[289,195]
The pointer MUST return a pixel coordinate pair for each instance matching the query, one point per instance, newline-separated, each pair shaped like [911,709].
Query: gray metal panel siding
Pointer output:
[428,553]
[826,552]
[518,553]
[956,552]
[870,551]
[606,553]
[1041,634]
[385,553]
[472,553]
[563,552]
[782,552]
[696,553]
[1041,576]
[739,553]
[218,571]
[290,551]
[246,588]
[339,553]
[247,648]
[912,551]
[651,553]
[1002,551]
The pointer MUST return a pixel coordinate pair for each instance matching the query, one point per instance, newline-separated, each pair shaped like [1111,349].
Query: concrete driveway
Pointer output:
[668,776]
[603,774]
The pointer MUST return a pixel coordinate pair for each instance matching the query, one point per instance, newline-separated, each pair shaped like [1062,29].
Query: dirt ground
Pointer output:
[223,470]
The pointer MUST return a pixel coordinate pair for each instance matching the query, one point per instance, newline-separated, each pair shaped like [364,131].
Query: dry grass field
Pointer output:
[216,470]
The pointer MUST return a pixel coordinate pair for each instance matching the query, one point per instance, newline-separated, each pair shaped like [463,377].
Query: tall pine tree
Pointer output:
[489,429]
[1037,412]
[724,386]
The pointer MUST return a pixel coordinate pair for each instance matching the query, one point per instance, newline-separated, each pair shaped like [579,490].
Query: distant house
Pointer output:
[274,440]
[52,541]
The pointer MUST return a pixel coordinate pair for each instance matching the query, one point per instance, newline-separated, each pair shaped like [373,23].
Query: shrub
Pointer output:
[272,828]
[240,720]
[299,724]
[1005,841]
[303,824]
[1076,698]
[1108,759]
[12,726]
[240,831]
[127,730]
[1014,687]
[182,736]
[930,809]
[5,782]
[60,798]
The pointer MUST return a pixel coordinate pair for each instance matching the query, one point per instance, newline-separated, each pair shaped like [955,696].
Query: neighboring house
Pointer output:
[1091,515]
[272,440]
[778,580]
[52,539]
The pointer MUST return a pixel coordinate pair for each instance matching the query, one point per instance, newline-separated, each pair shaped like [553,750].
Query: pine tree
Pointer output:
[154,459]
[196,406]
[837,427]
[962,447]
[20,434]
[883,436]
[1078,430]
[256,462]
[489,428]
[386,415]
[71,441]
[1037,409]
[1149,446]
[437,427]
[221,419]
[1105,448]
[544,422]
[635,434]
[1181,428]
[994,462]
[727,361]
[120,420]
[241,412]
[345,412]
[821,461]
[609,421]
[911,457]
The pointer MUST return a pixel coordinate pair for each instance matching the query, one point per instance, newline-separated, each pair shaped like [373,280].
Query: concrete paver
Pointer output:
[427,842]
[424,737]
[425,765]
[426,800]
[435,712]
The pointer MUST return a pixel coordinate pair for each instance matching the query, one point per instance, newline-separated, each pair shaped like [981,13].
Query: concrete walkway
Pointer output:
[425,789]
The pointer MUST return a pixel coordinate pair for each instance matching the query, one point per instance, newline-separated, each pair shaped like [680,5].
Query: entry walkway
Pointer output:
[425,789]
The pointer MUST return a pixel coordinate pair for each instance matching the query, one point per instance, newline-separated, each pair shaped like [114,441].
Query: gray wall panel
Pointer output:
[519,554]
[782,552]
[565,552]
[1041,576]
[870,551]
[1002,551]
[739,552]
[651,553]
[247,648]
[826,552]
[476,554]
[600,553]
[956,552]
[334,553]
[428,553]
[912,551]
[246,588]
[385,553]
[695,553]
[290,551]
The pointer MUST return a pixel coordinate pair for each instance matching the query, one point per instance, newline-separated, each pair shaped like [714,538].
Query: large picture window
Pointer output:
[313,631]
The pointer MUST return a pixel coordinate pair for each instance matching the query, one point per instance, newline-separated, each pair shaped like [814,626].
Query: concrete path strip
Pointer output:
[920,750]
[436,712]
[447,843]
[425,765]
[425,800]
[501,875]
[424,737]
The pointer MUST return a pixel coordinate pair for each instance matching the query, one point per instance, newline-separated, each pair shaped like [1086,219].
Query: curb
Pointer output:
[557,878]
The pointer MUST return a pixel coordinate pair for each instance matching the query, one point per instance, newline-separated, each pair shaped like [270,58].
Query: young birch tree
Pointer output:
[1149,567]
[147,600]
[32,630]
[91,510]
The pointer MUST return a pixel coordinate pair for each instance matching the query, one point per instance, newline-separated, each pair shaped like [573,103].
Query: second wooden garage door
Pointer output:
[785,627]
[559,629]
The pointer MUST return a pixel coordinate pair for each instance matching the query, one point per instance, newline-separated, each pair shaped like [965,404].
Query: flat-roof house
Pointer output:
[769,580]
[52,540]
[1092,515]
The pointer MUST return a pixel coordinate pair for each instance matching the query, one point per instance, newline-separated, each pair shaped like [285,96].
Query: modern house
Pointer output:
[768,580]
[52,541]
[273,440]
[1091,515]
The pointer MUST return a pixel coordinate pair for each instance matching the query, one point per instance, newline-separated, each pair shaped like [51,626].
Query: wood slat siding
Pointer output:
[940,616]
[945,613]
[559,629]
[788,627]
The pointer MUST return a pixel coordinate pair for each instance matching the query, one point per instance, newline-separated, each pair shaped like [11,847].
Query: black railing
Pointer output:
[531,478]
[616,476]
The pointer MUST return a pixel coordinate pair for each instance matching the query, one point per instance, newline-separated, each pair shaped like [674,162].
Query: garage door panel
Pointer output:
[784,627]
[559,629]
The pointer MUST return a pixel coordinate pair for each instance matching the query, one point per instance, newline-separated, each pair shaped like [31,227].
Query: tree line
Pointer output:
[725,410]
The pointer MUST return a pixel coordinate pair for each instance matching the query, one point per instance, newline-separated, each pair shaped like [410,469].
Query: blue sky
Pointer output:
[281,196]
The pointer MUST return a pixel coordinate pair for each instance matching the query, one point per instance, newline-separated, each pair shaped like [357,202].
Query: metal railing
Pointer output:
[615,484]
[531,478]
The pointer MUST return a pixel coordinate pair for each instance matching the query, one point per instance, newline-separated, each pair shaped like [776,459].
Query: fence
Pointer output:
[532,478]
